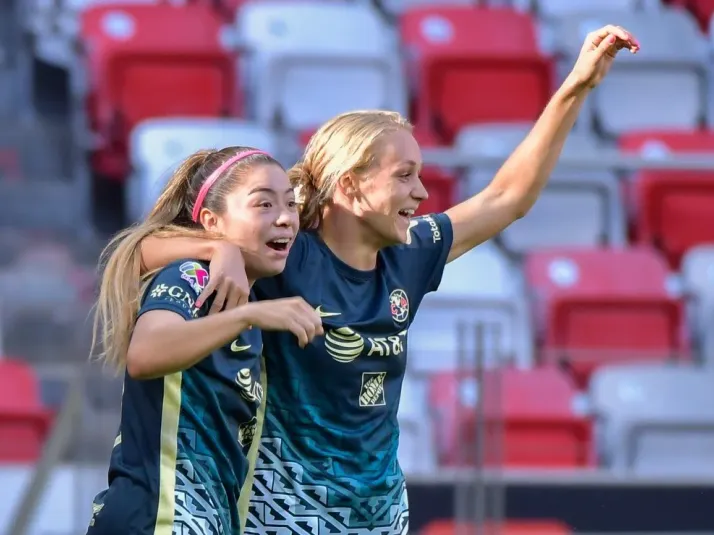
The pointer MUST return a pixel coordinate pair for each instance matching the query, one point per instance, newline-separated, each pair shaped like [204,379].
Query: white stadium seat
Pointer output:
[481,288]
[576,207]
[313,60]
[158,145]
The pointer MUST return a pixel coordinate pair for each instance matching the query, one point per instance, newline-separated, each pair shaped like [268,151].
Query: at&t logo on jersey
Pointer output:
[344,344]
[399,305]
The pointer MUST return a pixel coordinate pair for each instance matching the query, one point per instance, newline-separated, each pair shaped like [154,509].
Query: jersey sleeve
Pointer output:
[176,288]
[423,257]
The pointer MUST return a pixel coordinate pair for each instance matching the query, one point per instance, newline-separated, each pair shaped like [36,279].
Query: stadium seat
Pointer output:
[34,289]
[226,8]
[470,65]
[416,440]
[149,61]
[637,93]
[24,423]
[56,25]
[672,210]
[158,145]
[701,9]
[599,306]
[589,201]
[517,418]
[507,527]
[439,182]
[554,9]
[655,419]
[397,7]
[478,317]
[10,168]
[311,60]
[698,286]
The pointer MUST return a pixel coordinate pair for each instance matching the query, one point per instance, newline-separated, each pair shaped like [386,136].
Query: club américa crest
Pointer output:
[399,305]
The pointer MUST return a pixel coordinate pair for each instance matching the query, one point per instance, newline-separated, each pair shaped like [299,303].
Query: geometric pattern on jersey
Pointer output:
[195,509]
[285,502]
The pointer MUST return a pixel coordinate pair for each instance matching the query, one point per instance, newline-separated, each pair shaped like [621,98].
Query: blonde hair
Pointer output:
[122,284]
[343,145]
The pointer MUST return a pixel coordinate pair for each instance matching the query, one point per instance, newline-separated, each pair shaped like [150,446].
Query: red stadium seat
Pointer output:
[600,306]
[509,527]
[701,9]
[471,65]
[149,60]
[532,409]
[440,183]
[23,421]
[672,210]
[10,168]
[226,8]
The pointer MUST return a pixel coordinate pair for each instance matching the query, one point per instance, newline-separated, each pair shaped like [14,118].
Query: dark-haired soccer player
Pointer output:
[193,392]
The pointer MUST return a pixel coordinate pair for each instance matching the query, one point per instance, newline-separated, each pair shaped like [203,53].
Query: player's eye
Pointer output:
[265,204]
[292,205]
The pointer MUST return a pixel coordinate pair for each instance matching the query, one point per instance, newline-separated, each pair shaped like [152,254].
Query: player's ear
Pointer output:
[210,221]
[349,185]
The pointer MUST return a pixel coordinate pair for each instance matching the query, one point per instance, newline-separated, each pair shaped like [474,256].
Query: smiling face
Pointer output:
[260,216]
[391,190]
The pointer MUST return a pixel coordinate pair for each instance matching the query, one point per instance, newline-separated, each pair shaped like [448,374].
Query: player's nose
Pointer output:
[285,218]
[419,192]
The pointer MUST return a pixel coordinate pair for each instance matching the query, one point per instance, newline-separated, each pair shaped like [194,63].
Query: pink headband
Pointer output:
[215,175]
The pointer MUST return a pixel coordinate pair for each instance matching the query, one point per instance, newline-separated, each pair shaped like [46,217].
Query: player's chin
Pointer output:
[393,237]
[269,267]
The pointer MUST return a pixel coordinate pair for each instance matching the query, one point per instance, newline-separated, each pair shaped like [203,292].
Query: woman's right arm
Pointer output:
[159,252]
[166,342]
[163,342]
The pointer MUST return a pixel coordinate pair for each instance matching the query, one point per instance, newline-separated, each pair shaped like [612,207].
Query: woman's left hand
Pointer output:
[598,53]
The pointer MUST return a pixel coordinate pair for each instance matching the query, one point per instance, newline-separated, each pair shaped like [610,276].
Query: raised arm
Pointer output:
[517,184]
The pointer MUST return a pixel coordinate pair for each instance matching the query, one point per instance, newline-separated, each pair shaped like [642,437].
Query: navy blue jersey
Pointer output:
[327,460]
[182,454]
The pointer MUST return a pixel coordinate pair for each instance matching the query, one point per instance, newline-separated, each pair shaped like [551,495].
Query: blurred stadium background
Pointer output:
[561,380]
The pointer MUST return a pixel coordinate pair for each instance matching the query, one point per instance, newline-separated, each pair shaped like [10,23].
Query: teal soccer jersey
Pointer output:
[182,454]
[327,460]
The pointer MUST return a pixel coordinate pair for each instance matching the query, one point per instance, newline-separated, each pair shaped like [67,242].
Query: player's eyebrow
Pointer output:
[268,190]
[410,163]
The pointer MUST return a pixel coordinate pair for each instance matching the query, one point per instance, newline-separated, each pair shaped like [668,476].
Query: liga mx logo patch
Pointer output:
[195,274]
[399,305]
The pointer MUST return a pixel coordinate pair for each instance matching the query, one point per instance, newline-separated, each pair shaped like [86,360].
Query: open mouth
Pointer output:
[279,244]
[406,213]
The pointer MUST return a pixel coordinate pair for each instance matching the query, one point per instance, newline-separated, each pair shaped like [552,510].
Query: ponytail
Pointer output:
[308,197]
[122,284]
